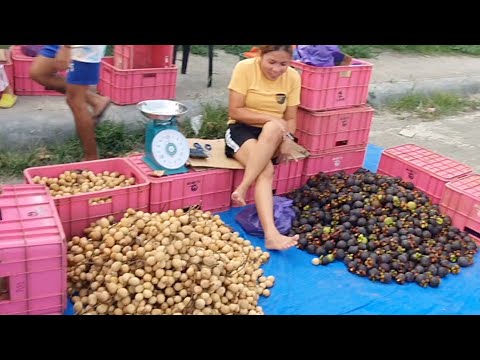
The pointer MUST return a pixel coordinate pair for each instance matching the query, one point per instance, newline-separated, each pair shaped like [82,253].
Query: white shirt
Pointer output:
[88,53]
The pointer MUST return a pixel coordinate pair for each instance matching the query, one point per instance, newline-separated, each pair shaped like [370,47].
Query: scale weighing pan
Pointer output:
[166,148]
[161,110]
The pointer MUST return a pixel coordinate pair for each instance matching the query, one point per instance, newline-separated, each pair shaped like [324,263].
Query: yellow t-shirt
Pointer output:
[261,94]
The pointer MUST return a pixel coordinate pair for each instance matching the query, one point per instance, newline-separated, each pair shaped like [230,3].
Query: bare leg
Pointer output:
[44,72]
[264,200]
[8,90]
[77,101]
[264,148]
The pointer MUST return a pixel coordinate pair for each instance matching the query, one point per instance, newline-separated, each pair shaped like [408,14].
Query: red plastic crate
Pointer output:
[76,211]
[8,67]
[461,201]
[334,87]
[142,56]
[33,254]
[331,162]
[210,189]
[287,177]
[125,87]
[427,170]
[338,130]
[24,85]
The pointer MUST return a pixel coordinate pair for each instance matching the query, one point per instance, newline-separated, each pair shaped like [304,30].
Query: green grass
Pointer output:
[214,123]
[434,105]
[114,140]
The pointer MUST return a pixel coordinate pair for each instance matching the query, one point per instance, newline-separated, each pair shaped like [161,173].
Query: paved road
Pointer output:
[36,119]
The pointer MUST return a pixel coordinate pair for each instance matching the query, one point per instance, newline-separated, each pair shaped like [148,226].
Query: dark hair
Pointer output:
[268,48]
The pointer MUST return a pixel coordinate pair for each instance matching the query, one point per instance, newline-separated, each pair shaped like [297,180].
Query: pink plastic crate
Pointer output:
[76,211]
[348,161]
[287,177]
[24,85]
[334,87]
[33,254]
[125,87]
[210,189]
[427,170]
[8,66]
[142,56]
[338,130]
[461,201]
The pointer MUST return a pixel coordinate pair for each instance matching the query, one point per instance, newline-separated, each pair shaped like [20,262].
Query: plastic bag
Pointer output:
[282,212]
[31,50]
[319,55]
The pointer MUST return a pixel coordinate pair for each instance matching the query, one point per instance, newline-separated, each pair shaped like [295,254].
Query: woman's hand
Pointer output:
[285,150]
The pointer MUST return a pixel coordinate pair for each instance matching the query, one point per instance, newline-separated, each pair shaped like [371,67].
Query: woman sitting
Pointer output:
[263,100]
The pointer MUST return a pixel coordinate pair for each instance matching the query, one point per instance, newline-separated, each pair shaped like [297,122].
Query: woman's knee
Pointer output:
[272,132]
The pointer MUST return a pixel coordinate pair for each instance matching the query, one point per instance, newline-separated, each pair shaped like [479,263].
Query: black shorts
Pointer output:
[237,134]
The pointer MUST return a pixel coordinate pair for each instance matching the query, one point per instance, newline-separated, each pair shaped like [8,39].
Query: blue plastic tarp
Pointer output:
[304,289]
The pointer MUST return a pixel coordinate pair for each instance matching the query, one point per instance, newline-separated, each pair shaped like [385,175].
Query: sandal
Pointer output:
[7,101]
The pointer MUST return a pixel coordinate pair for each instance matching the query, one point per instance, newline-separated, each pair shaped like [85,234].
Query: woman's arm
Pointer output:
[290,118]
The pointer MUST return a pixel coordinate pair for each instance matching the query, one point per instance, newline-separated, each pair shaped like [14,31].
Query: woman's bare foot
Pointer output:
[238,197]
[280,242]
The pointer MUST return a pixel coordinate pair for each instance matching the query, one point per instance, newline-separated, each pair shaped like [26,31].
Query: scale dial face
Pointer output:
[170,149]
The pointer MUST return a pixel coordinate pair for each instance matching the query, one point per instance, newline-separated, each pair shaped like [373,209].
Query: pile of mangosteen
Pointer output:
[381,227]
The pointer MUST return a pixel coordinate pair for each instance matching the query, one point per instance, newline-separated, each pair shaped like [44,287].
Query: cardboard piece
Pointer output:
[218,159]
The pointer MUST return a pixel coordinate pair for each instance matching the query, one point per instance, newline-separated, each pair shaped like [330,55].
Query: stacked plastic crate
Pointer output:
[333,120]
[138,72]
[461,201]
[33,254]
[427,170]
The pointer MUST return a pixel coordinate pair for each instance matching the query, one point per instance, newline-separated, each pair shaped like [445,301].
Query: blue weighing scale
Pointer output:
[166,148]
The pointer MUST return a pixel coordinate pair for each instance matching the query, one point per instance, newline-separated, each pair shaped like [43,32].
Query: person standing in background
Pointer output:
[83,62]
[44,70]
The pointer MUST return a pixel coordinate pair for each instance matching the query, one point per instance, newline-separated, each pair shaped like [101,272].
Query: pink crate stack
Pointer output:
[337,130]
[142,56]
[126,87]
[78,211]
[334,87]
[209,189]
[33,254]
[287,177]
[24,85]
[331,162]
[461,201]
[427,170]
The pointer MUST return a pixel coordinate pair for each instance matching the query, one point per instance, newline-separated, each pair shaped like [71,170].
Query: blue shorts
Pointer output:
[83,73]
[49,51]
